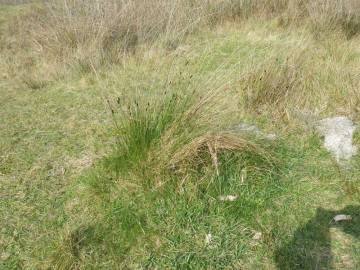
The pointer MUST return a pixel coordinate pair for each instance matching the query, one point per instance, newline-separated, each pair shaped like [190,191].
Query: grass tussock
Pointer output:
[173,134]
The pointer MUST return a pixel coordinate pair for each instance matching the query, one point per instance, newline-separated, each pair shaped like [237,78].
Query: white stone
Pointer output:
[229,198]
[257,236]
[208,239]
[338,133]
[338,218]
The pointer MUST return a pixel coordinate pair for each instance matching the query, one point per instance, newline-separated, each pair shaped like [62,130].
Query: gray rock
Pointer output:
[338,133]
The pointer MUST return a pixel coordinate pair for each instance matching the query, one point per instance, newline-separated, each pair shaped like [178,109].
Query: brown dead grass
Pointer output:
[212,145]
[48,41]
[206,149]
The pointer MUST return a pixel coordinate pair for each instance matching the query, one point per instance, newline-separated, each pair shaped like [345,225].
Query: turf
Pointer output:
[76,194]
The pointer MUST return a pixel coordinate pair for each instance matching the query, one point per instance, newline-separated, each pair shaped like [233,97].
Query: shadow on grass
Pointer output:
[310,247]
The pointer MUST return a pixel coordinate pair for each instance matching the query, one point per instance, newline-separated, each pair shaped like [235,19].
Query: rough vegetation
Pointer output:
[119,138]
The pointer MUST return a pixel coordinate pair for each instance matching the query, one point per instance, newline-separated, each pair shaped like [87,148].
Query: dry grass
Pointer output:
[85,35]
[335,15]
[212,145]
[14,2]
[91,33]
[274,84]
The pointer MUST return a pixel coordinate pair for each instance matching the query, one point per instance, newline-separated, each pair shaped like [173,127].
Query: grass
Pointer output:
[120,165]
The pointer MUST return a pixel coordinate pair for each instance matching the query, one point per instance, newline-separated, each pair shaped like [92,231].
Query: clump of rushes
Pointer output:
[140,125]
[174,135]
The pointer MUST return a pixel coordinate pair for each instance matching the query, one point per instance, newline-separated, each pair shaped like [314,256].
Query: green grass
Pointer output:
[86,188]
